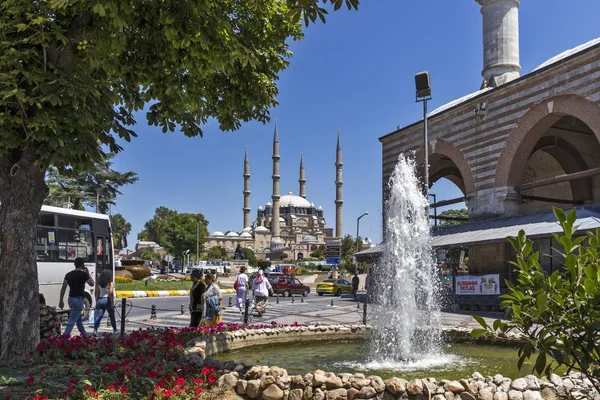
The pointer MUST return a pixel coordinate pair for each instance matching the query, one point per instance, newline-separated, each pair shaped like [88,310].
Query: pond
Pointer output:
[457,361]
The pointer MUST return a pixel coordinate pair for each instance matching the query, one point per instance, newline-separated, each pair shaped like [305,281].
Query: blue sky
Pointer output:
[355,72]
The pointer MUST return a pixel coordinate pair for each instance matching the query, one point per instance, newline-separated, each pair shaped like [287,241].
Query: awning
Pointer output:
[537,225]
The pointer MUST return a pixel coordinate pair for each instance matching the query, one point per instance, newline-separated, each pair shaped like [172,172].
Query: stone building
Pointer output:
[519,145]
[291,224]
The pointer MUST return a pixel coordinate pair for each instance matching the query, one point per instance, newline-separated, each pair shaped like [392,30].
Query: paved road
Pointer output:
[313,309]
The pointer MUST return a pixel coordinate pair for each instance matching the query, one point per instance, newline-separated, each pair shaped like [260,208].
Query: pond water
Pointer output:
[457,360]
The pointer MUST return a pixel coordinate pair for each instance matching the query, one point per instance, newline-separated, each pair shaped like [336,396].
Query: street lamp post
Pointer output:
[357,230]
[106,182]
[434,208]
[197,241]
[423,87]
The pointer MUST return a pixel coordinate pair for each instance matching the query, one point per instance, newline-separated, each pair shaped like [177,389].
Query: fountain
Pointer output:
[406,319]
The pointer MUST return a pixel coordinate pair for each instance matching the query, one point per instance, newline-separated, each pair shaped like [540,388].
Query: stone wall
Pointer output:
[274,383]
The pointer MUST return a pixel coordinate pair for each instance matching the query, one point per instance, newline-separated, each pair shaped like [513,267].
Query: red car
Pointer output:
[289,286]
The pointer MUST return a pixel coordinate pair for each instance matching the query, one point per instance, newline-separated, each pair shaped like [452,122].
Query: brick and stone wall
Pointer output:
[491,152]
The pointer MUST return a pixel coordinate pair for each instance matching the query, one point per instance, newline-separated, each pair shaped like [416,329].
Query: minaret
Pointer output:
[246,208]
[500,41]
[338,188]
[275,196]
[302,179]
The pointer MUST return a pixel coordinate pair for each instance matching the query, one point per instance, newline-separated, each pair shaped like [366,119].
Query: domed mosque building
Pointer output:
[288,224]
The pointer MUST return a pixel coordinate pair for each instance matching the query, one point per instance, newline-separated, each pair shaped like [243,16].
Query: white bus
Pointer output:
[63,235]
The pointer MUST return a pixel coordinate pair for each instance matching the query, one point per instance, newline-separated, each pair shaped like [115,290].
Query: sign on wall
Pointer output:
[485,284]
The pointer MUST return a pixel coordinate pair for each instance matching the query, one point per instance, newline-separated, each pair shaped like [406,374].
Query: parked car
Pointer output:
[288,286]
[334,286]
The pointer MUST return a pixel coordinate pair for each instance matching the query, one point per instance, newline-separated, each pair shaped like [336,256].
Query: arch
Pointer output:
[533,125]
[570,161]
[440,148]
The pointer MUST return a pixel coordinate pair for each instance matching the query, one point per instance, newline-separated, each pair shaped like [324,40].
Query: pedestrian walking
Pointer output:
[241,287]
[355,283]
[262,288]
[105,301]
[212,300]
[76,281]
[196,303]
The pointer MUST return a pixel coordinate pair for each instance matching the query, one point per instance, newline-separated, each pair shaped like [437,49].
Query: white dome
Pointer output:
[232,234]
[281,219]
[309,239]
[294,201]
[320,208]
[247,229]
[246,235]
[218,234]
[269,204]
[261,229]
[260,208]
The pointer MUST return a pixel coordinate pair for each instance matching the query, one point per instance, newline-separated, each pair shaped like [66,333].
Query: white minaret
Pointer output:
[338,188]
[500,41]
[275,241]
[246,208]
[302,179]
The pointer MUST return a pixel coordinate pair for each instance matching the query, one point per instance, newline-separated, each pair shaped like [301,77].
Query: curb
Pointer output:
[159,293]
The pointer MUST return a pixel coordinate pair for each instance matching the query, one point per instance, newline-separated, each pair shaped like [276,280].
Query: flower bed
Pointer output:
[146,363]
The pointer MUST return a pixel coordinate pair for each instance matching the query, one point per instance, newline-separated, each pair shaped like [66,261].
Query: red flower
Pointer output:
[180,381]
[212,378]
[30,379]
[73,381]
[206,371]
[198,390]
[80,363]
[177,389]
[123,389]
[156,388]
[87,372]
[111,387]
[167,393]
[70,389]
[162,382]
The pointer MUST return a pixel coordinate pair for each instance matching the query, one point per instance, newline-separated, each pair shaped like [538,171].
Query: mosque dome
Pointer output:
[218,234]
[232,234]
[281,219]
[294,201]
[261,229]
[269,204]
[276,242]
[260,208]
[247,229]
[246,235]
[320,208]
[309,239]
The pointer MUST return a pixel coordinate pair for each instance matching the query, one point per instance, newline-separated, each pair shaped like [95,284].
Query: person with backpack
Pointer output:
[241,287]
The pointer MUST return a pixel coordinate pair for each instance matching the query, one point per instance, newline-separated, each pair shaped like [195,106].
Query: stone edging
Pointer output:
[273,383]
[159,293]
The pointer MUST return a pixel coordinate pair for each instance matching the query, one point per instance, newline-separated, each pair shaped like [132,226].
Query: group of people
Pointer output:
[260,285]
[205,299]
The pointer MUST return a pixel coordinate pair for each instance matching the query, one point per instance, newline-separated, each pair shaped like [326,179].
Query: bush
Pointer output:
[138,272]
[122,279]
[557,315]
[263,264]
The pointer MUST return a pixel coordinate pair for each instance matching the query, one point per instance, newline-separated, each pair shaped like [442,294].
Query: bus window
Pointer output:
[72,222]
[103,253]
[73,244]
[46,219]
[46,246]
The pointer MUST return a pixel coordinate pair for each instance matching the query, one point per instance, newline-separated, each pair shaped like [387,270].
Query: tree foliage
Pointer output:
[175,232]
[216,253]
[559,314]
[319,253]
[96,187]
[149,253]
[120,229]
[460,213]
[249,254]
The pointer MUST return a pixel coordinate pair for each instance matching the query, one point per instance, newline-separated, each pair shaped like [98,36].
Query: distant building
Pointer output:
[141,244]
[290,224]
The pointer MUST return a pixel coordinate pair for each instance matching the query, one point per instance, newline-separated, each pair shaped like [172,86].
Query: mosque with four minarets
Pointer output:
[288,224]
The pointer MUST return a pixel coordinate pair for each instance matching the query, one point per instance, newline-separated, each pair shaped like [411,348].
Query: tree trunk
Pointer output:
[22,192]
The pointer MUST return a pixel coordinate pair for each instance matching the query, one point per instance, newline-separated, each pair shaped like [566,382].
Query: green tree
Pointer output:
[148,253]
[120,229]
[176,232]
[460,213]
[348,249]
[558,315]
[96,187]
[216,253]
[74,72]
[319,253]
[249,254]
